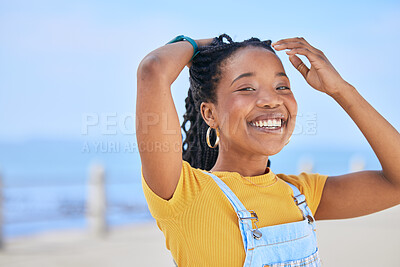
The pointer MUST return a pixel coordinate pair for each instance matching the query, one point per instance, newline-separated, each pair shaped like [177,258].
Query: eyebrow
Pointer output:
[249,74]
[280,74]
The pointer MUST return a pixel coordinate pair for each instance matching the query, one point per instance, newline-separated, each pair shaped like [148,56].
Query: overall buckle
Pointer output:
[256,233]
[308,217]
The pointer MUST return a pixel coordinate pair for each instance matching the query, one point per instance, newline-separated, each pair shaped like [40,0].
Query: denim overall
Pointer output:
[289,244]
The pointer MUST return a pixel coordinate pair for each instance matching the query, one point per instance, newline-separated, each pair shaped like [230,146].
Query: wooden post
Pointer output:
[356,163]
[96,202]
[306,164]
[1,213]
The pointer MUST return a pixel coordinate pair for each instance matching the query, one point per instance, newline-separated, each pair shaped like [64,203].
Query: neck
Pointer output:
[237,161]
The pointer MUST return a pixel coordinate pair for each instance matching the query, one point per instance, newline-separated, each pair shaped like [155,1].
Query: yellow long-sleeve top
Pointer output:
[201,227]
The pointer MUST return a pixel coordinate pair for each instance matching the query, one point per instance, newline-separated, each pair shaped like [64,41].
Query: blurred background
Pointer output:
[69,163]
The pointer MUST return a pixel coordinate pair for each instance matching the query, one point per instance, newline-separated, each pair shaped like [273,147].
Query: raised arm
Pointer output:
[359,193]
[157,124]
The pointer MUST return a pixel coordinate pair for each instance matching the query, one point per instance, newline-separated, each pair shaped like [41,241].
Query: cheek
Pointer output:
[234,115]
[294,102]
[293,114]
[292,106]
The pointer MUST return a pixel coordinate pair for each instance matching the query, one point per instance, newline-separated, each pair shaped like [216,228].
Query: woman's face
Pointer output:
[254,91]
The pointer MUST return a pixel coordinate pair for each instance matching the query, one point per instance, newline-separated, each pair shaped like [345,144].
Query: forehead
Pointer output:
[252,59]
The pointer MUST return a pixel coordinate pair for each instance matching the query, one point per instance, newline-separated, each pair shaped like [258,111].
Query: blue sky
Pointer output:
[60,60]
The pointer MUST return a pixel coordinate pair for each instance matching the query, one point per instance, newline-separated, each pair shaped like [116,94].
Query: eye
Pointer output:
[246,89]
[283,87]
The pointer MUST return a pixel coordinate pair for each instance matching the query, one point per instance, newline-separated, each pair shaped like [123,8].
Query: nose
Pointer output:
[269,99]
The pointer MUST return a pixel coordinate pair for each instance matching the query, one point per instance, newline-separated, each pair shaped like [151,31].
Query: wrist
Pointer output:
[180,38]
[343,92]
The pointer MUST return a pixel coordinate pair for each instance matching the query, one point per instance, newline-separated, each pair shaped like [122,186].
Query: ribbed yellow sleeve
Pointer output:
[189,185]
[200,225]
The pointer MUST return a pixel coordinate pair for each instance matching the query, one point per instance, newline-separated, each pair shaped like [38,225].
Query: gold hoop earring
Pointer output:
[208,138]
[288,141]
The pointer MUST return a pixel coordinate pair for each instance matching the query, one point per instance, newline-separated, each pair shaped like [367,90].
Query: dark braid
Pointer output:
[205,74]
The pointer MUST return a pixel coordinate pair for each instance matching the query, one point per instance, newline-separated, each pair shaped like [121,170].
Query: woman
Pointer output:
[217,200]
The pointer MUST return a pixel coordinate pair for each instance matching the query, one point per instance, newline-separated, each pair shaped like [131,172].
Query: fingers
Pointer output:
[292,43]
[301,47]
[204,42]
[299,65]
[312,57]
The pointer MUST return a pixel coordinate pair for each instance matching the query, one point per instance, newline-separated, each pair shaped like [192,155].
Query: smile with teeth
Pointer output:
[268,124]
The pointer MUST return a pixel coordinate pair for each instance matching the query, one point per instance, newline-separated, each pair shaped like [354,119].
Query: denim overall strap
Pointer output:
[241,211]
[300,201]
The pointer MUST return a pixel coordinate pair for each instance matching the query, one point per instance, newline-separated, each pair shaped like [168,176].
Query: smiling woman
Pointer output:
[205,93]
[216,198]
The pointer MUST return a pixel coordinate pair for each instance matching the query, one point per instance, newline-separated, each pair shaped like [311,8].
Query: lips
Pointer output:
[270,116]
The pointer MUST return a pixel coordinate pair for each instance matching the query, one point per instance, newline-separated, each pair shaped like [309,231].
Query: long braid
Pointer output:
[205,74]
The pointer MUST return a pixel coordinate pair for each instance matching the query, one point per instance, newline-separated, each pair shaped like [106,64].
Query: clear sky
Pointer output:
[62,60]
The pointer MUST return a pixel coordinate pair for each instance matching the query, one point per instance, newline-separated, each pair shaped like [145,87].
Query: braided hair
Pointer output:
[205,73]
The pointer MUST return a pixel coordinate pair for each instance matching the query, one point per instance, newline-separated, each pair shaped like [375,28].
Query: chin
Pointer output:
[270,151]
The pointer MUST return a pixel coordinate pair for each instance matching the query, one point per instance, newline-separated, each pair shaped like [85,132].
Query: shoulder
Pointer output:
[191,182]
[304,179]
[310,185]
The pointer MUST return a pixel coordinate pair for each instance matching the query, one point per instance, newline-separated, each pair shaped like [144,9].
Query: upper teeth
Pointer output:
[270,123]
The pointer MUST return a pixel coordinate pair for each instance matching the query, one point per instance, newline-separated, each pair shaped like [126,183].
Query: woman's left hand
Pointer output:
[322,76]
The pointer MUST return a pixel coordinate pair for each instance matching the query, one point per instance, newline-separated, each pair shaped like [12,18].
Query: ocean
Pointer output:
[45,182]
